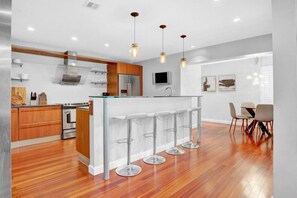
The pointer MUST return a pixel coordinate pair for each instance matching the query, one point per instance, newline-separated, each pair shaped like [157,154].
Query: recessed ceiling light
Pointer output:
[74,38]
[216,0]
[237,19]
[32,29]
[106,44]
[193,46]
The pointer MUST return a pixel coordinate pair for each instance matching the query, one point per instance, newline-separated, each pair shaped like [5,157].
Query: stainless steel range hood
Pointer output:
[70,73]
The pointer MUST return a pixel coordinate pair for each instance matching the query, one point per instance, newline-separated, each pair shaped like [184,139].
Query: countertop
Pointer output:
[84,108]
[144,96]
[26,106]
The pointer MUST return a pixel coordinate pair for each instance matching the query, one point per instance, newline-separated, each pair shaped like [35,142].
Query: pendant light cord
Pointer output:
[162,40]
[183,47]
[134,28]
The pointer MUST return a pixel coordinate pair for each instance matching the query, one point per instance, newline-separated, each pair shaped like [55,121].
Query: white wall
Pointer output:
[284,14]
[216,104]
[41,72]
[223,51]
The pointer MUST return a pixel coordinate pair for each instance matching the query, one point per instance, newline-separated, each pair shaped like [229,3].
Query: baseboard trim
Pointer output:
[29,142]
[95,170]
[220,121]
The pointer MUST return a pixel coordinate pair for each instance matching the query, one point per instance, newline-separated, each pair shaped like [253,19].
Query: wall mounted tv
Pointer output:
[162,78]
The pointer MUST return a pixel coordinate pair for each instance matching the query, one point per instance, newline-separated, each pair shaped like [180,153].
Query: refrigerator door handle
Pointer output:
[129,89]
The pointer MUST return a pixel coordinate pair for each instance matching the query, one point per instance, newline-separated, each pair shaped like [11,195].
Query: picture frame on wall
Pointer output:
[227,82]
[208,83]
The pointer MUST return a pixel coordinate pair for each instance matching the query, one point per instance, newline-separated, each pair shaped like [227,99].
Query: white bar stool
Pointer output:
[175,150]
[190,144]
[129,169]
[155,159]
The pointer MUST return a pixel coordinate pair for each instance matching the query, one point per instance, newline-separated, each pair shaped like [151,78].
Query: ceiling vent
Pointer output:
[91,4]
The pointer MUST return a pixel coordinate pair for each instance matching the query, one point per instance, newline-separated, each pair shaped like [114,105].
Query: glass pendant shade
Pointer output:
[162,57]
[134,50]
[183,62]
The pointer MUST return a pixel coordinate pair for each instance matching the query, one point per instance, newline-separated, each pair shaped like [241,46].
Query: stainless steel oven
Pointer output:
[69,119]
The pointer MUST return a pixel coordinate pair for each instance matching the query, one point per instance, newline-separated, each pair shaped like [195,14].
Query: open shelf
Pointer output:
[99,71]
[19,79]
[99,83]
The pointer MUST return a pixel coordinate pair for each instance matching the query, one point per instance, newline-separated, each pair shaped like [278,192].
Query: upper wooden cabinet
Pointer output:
[114,70]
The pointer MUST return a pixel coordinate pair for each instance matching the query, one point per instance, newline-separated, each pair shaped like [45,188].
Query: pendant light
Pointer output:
[134,47]
[183,61]
[162,54]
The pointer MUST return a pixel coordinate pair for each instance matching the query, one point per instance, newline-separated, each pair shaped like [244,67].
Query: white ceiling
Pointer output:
[206,22]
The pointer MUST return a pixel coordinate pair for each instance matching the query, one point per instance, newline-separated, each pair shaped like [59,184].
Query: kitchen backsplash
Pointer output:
[41,72]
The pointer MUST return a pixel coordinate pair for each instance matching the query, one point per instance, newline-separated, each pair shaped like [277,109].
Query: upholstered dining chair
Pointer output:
[264,113]
[236,117]
[245,112]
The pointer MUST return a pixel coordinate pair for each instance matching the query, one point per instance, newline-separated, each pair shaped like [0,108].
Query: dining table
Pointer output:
[250,129]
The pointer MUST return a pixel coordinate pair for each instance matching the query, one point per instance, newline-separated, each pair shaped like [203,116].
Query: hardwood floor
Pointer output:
[225,165]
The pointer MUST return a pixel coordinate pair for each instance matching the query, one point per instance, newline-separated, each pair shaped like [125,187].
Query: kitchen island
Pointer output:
[105,131]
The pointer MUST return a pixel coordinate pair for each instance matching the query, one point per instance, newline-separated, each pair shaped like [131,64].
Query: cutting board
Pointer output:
[18,95]
[42,99]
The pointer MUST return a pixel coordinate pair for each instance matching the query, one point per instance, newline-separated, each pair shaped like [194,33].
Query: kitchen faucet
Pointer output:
[170,90]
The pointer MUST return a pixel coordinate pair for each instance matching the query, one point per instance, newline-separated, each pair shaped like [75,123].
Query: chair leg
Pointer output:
[231,124]
[235,125]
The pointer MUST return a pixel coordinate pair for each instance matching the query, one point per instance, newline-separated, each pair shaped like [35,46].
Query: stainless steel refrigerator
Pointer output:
[129,85]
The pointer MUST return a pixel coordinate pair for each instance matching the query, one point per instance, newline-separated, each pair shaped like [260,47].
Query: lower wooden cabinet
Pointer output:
[36,122]
[14,124]
[82,131]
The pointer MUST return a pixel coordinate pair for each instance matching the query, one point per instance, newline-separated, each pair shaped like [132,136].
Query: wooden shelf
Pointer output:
[27,50]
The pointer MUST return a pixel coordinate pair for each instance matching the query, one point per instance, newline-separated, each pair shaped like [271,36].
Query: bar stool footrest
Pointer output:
[124,140]
[154,159]
[129,170]
[169,130]
[148,135]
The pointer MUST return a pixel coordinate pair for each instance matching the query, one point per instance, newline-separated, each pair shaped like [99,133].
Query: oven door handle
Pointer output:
[68,119]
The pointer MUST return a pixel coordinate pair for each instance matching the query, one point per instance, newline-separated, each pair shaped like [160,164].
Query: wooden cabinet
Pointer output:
[14,124]
[114,70]
[35,122]
[83,131]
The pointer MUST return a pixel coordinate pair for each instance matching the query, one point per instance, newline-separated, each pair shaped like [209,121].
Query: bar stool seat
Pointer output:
[175,150]
[129,169]
[190,143]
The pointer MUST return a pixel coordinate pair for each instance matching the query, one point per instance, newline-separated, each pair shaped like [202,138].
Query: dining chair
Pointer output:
[264,113]
[236,117]
[244,112]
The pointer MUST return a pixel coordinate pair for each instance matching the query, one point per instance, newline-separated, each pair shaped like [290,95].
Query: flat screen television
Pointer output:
[162,78]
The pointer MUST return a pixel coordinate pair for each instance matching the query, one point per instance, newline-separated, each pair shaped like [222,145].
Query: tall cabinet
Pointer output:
[114,70]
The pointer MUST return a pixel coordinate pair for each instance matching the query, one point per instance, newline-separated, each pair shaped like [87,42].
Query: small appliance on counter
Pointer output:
[69,119]
[42,99]
[33,98]
[105,94]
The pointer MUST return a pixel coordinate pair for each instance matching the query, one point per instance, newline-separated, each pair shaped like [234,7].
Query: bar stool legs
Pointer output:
[129,169]
[175,150]
[154,159]
[190,143]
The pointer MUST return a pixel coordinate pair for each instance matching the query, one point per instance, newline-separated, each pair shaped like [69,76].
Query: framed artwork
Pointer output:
[208,83]
[227,82]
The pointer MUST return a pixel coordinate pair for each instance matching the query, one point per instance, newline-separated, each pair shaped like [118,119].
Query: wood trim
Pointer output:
[32,125]
[40,108]
[41,52]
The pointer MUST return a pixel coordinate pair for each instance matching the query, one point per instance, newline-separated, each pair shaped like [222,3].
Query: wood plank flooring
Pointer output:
[226,165]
